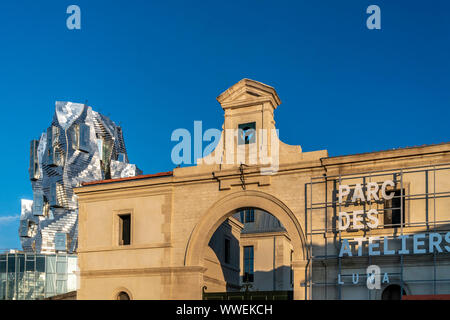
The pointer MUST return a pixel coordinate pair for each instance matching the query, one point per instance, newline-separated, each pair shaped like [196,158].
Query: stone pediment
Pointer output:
[247,92]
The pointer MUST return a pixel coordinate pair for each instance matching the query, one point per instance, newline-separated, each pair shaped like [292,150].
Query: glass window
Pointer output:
[85,133]
[2,266]
[51,264]
[71,264]
[61,287]
[40,285]
[40,264]
[248,264]
[61,267]
[71,282]
[10,284]
[21,263]
[247,215]
[227,251]
[75,136]
[2,289]
[100,147]
[11,263]
[250,215]
[50,285]
[393,210]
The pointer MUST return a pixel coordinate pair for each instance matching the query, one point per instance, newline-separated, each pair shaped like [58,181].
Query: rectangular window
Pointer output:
[247,133]
[248,264]
[247,215]
[125,229]
[100,147]
[250,215]
[227,251]
[393,210]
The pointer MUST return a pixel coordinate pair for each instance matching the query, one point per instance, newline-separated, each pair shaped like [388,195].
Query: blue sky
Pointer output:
[154,66]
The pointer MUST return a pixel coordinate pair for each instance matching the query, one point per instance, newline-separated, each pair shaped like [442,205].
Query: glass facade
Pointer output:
[29,276]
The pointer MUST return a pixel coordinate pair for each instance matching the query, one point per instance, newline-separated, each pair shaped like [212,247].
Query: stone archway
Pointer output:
[226,206]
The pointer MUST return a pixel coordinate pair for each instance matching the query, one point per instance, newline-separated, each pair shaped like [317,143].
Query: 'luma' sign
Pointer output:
[435,240]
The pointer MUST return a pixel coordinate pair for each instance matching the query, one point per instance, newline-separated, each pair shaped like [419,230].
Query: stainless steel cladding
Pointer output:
[80,145]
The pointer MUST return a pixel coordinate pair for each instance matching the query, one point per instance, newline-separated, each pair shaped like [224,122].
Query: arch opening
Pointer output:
[122,295]
[249,253]
[393,292]
[227,215]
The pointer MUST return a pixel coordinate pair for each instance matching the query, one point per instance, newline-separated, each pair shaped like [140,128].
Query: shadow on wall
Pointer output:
[278,279]
[264,281]
[222,258]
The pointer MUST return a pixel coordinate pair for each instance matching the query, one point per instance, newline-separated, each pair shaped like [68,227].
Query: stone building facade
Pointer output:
[173,215]
[251,248]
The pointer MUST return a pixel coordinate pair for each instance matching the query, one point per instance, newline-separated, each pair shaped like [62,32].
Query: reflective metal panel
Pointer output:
[67,154]
[60,241]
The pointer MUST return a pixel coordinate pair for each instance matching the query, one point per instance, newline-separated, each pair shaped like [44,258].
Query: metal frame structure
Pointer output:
[29,276]
[325,206]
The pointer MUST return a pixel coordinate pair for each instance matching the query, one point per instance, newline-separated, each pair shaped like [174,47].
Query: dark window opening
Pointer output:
[227,251]
[125,229]
[248,215]
[123,296]
[393,210]
[40,264]
[247,133]
[248,264]
[392,292]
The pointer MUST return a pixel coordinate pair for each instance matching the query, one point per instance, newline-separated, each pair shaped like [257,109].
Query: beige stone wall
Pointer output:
[174,217]
[220,275]
[272,260]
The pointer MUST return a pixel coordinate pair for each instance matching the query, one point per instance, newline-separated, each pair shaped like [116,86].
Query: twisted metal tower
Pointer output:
[81,145]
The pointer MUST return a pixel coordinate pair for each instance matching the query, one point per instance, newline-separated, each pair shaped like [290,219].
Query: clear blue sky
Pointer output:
[154,66]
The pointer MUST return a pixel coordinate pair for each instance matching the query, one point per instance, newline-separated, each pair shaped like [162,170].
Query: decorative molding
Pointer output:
[228,182]
[130,247]
[142,271]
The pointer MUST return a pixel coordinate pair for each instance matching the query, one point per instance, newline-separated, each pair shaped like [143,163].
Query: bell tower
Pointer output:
[249,136]
[249,101]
